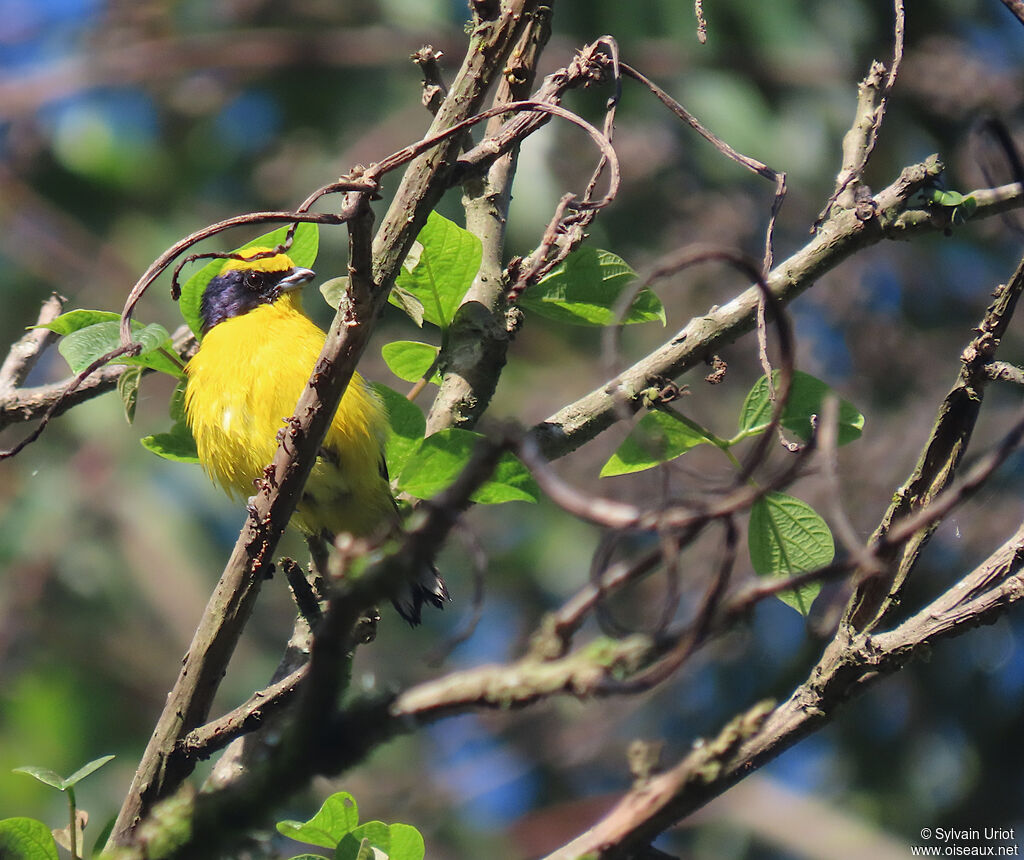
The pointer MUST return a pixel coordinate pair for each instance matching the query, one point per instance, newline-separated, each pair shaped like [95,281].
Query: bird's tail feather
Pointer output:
[428,587]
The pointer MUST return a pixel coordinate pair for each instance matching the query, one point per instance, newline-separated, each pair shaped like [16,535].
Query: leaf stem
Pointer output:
[73,828]
[175,358]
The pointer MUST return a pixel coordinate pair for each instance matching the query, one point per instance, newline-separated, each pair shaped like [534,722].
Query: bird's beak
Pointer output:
[295,280]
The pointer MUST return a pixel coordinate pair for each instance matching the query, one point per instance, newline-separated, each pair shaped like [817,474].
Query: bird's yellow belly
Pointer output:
[243,384]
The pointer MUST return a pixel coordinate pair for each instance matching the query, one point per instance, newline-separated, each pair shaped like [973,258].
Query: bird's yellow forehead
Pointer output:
[276,263]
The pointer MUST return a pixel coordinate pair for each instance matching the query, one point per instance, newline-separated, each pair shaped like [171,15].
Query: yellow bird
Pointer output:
[256,355]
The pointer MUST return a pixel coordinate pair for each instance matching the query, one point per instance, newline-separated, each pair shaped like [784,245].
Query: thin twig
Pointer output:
[60,403]
[1002,371]
[1016,7]
[751,164]
[702,25]
[859,142]
[940,457]
[25,352]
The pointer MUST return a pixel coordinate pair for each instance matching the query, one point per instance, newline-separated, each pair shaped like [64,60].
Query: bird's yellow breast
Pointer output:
[244,382]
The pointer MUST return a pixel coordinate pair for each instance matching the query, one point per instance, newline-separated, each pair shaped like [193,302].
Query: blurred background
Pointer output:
[125,125]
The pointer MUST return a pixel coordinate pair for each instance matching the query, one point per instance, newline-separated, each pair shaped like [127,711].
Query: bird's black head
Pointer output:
[245,284]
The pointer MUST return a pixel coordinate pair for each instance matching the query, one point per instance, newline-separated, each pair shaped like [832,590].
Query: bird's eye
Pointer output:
[254,280]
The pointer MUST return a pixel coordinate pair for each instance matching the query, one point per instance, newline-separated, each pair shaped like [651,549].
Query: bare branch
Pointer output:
[160,770]
[704,336]
[1001,371]
[25,352]
[751,164]
[939,458]
[188,704]
[757,736]
[1016,7]
[859,142]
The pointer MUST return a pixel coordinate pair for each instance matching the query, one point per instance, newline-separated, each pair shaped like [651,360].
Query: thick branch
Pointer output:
[490,44]
[759,735]
[479,336]
[939,458]
[843,235]
[162,769]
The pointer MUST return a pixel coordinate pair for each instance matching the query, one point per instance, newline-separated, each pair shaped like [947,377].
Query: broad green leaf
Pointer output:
[86,769]
[338,815]
[410,359]
[406,843]
[44,775]
[303,251]
[585,289]
[309,857]
[786,536]
[438,460]
[128,390]
[806,399]
[407,426]
[74,320]
[447,265]
[657,438]
[177,444]
[83,346]
[398,842]
[332,290]
[351,848]
[26,839]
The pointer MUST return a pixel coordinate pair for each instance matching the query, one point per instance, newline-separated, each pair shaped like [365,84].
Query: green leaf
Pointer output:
[398,842]
[806,399]
[945,198]
[177,444]
[351,848]
[406,843]
[308,857]
[407,426]
[657,438]
[44,775]
[786,536]
[75,320]
[87,769]
[52,778]
[303,251]
[438,460]
[448,263]
[585,289]
[128,389]
[958,217]
[83,346]
[26,839]
[333,289]
[410,359]
[338,816]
